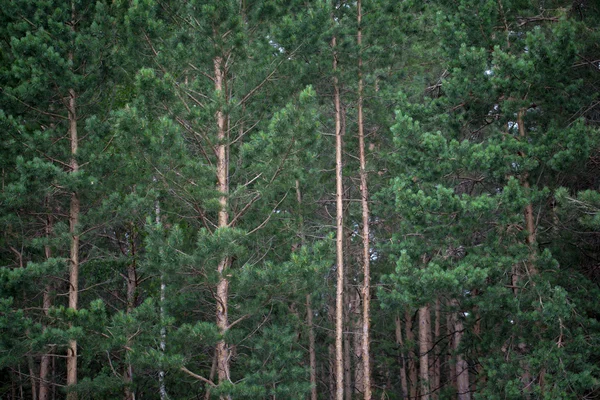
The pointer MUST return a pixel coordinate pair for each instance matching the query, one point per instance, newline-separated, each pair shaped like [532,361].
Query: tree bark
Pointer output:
[222,293]
[132,283]
[400,343]
[436,364]
[339,315]
[366,289]
[74,211]
[412,357]
[462,370]
[424,332]
[45,361]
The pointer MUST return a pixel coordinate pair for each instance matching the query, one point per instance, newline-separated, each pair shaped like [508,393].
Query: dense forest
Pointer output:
[308,199]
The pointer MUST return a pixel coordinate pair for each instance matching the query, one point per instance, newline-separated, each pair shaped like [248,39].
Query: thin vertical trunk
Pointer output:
[163,330]
[424,332]
[74,211]
[32,377]
[451,362]
[366,289]
[462,370]
[132,283]
[222,294]
[45,361]
[436,364]
[400,343]
[412,357]
[347,346]
[339,310]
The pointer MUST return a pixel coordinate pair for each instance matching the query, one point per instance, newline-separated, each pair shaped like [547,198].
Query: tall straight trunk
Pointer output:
[400,343]
[424,332]
[364,191]
[74,211]
[339,297]
[450,360]
[32,377]
[436,364]
[132,283]
[312,356]
[222,294]
[45,362]
[462,370]
[359,373]
[347,346]
[412,357]
[163,330]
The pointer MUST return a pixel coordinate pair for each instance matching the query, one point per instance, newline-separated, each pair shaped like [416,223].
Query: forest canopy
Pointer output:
[299,200]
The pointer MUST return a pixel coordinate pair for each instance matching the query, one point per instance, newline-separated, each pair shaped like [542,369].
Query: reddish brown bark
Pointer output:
[400,343]
[366,289]
[424,334]
[222,292]
[339,316]
[412,357]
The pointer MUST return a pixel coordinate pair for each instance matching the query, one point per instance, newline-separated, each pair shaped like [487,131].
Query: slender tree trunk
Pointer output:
[74,211]
[462,370]
[222,294]
[45,361]
[163,330]
[424,332]
[400,343]
[364,191]
[436,364]
[32,377]
[451,362]
[339,316]
[412,364]
[132,283]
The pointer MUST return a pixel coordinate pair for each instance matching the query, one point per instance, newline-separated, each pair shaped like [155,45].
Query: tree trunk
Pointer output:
[74,211]
[400,343]
[436,364]
[451,362]
[412,357]
[339,310]
[32,377]
[424,332]
[163,330]
[366,289]
[132,283]
[45,361]
[462,370]
[222,294]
